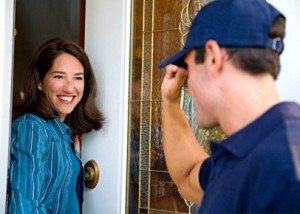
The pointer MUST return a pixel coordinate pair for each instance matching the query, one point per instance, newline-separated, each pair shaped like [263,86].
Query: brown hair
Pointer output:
[255,60]
[85,116]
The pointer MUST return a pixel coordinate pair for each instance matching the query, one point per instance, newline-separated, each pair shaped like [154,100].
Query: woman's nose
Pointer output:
[69,86]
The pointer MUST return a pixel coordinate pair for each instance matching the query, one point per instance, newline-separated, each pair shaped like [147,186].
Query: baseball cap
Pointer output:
[232,23]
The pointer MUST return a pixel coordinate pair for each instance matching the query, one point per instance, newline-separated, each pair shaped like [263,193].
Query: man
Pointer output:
[229,64]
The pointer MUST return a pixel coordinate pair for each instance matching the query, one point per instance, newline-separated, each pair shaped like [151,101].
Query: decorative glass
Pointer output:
[159,29]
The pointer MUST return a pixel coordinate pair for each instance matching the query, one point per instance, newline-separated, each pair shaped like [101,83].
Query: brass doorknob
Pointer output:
[91,174]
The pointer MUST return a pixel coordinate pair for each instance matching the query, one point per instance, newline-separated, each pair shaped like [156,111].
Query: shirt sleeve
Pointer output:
[204,173]
[28,169]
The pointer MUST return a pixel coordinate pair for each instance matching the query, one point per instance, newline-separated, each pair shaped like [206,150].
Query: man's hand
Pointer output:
[172,83]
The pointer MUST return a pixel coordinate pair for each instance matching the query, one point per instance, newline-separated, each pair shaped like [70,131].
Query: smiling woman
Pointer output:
[64,84]
[46,173]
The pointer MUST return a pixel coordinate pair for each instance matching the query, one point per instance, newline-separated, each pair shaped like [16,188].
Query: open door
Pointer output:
[107,44]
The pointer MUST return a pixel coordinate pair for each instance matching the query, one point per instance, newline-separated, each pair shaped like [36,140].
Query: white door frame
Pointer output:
[6,67]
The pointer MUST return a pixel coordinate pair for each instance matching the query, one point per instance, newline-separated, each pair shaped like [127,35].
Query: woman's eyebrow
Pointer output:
[58,72]
[63,72]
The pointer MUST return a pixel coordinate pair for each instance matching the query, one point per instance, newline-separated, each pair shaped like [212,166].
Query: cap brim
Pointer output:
[176,59]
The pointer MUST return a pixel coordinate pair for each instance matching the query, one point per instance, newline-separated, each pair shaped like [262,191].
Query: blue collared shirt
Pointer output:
[256,170]
[44,167]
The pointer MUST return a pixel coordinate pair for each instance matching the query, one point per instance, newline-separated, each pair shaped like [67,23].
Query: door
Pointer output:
[107,44]
[159,29]
[6,53]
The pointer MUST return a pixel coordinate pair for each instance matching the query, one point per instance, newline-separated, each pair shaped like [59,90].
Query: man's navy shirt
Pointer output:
[256,170]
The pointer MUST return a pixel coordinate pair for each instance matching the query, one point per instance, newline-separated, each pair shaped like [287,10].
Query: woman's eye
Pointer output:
[79,78]
[57,76]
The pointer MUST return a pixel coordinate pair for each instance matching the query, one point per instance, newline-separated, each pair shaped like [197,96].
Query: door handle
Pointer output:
[91,174]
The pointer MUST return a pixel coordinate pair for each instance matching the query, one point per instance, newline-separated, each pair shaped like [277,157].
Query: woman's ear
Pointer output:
[40,86]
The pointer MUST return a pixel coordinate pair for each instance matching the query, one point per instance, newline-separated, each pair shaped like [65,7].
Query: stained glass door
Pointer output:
[159,28]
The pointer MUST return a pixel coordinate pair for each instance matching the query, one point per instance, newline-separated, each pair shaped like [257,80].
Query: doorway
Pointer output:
[35,23]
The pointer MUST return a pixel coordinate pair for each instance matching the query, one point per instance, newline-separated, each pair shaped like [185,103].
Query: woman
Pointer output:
[46,174]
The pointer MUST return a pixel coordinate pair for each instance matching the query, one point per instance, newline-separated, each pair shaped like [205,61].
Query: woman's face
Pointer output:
[64,84]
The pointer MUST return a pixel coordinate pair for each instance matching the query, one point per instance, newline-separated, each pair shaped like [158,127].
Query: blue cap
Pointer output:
[232,23]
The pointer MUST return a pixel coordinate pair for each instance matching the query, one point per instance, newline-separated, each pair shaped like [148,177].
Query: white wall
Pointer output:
[6,48]
[289,78]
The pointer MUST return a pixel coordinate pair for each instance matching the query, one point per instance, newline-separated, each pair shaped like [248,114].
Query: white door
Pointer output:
[107,44]
[6,51]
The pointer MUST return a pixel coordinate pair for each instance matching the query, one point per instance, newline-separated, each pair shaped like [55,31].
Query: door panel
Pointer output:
[159,27]
[107,44]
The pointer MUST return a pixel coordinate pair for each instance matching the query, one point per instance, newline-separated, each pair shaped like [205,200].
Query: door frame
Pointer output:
[6,68]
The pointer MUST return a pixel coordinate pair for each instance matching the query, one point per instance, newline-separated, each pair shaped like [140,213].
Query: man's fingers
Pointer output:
[174,80]
[171,71]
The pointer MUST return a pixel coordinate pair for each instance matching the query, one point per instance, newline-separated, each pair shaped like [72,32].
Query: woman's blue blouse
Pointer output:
[44,167]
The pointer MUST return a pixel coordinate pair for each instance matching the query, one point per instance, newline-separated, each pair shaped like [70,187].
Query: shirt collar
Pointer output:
[59,128]
[242,142]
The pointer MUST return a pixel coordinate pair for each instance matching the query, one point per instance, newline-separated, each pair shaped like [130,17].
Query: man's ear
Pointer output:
[214,56]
